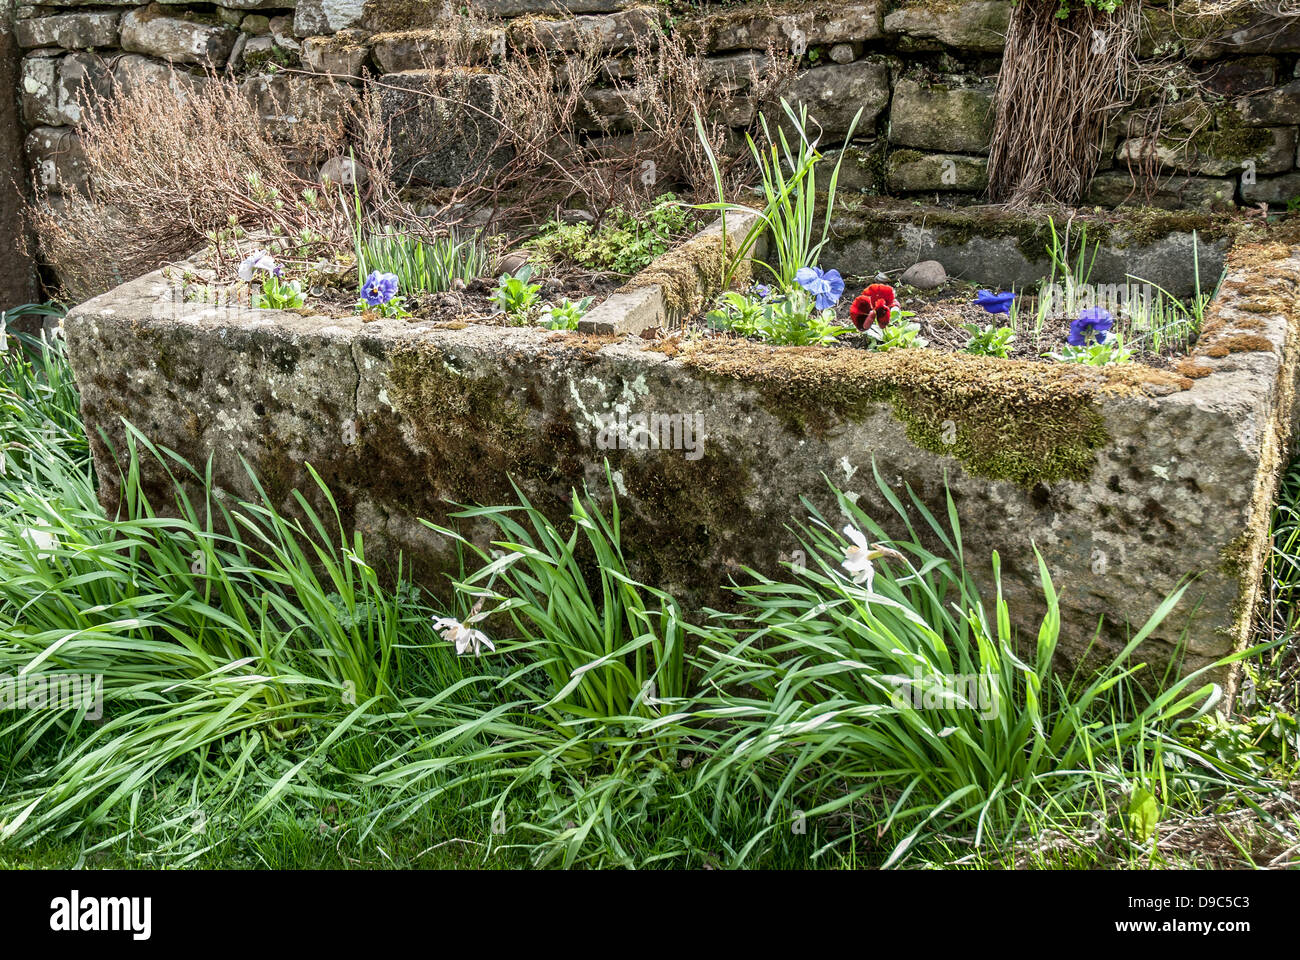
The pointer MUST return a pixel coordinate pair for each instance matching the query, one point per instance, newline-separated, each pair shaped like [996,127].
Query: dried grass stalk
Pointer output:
[168,163]
[1060,84]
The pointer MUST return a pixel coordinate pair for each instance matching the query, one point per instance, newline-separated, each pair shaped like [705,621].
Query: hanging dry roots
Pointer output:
[1061,82]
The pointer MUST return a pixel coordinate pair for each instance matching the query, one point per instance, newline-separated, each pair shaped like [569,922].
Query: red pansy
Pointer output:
[873,305]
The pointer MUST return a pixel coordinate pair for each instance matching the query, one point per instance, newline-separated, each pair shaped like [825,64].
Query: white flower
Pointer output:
[258,260]
[857,558]
[463,635]
[42,540]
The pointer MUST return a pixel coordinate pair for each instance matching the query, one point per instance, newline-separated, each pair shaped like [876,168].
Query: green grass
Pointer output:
[273,700]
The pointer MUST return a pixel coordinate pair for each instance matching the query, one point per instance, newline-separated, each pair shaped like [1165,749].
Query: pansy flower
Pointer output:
[379,288]
[873,305]
[826,286]
[258,260]
[1095,322]
[994,302]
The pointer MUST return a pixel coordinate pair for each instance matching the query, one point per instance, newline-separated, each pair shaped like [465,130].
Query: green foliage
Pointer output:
[898,335]
[623,242]
[911,695]
[1283,564]
[1162,319]
[565,314]
[396,308]
[1066,7]
[788,320]
[989,341]
[421,265]
[276,293]
[788,180]
[1096,354]
[514,295]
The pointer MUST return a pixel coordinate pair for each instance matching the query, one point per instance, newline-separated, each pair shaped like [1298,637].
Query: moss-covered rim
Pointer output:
[1026,423]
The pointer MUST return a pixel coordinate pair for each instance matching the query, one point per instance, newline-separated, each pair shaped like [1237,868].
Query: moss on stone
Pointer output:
[1027,423]
[690,274]
[474,432]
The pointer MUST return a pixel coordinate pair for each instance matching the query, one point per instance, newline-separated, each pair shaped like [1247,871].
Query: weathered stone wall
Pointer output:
[17,272]
[922,70]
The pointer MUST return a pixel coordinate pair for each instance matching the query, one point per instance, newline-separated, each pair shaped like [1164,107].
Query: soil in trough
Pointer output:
[943,313]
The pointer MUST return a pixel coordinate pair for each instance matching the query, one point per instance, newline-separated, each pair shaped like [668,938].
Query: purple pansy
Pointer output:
[379,288]
[1093,321]
[994,302]
[826,286]
[258,261]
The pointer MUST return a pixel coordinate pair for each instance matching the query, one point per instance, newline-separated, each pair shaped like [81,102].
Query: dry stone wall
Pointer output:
[923,72]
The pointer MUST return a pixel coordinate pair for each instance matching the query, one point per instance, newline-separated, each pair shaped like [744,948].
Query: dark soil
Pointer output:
[474,304]
[942,314]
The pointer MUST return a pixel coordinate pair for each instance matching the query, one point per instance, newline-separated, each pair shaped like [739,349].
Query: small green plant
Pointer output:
[898,336]
[740,312]
[421,265]
[1072,262]
[1163,319]
[789,320]
[276,293]
[990,341]
[514,295]
[1094,354]
[788,180]
[565,314]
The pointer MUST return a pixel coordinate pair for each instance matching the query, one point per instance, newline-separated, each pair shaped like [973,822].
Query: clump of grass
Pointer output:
[422,265]
[914,699]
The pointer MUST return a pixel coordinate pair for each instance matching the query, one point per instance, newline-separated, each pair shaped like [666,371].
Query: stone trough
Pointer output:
[1127,479]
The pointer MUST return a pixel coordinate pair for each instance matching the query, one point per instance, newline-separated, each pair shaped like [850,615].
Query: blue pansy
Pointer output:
[379,288]
[826,286]
[994,302]
[762,291]
[1094,321]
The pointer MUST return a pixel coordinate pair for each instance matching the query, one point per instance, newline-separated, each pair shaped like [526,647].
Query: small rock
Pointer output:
[512,261]
[925,275]
[72,31]
[256,24]
[282,29]
[342,172]
[338,55]
[149,30]
[228,16]
[843,53]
